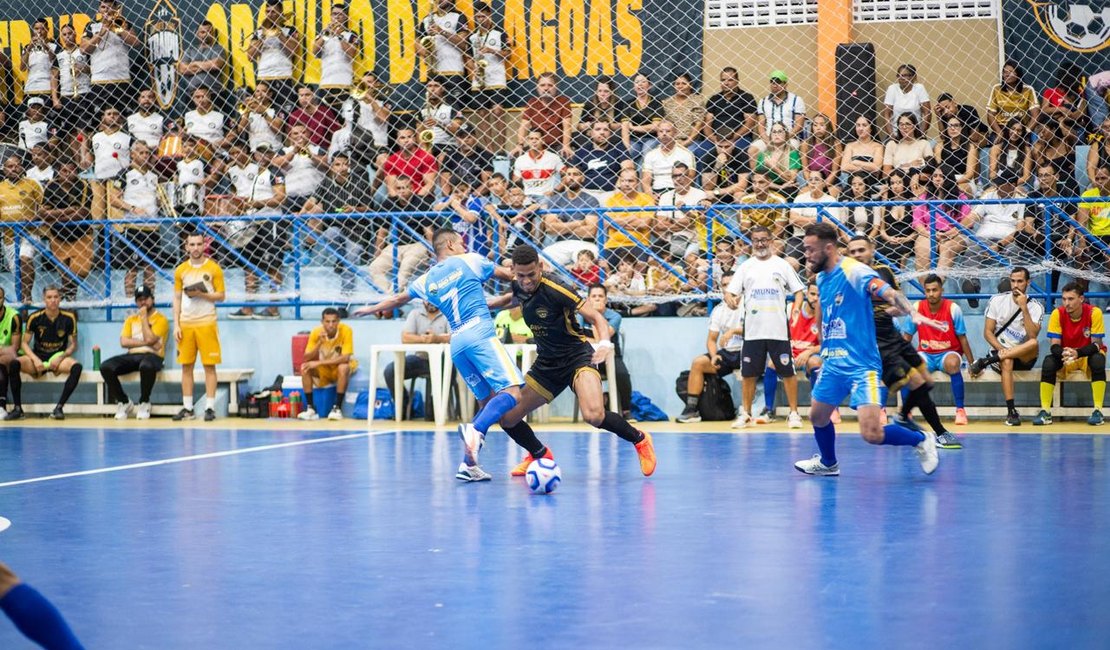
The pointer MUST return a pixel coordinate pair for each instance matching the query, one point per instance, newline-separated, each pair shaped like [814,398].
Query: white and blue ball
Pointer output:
[543,476]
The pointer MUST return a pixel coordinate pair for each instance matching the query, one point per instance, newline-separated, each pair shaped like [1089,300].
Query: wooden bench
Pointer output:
[232,377]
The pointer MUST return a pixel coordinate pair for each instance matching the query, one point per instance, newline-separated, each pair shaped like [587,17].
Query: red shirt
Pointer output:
[321,124]
[803,332]
[415,166]
[547,118]
[931,339]
[590,276]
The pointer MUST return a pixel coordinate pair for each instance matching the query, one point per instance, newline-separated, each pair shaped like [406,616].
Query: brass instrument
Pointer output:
[478,70]
[358,91]
[428,42]
[73,69]
[426,136]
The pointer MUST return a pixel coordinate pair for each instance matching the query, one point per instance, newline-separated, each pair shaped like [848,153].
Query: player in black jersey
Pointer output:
[49,346]
[564,357]
[902,365]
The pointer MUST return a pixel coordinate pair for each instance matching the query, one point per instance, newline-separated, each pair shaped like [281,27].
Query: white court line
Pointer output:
[185,459]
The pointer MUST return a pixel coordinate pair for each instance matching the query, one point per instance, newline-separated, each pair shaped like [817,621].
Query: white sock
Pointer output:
[187,402]
[209,402]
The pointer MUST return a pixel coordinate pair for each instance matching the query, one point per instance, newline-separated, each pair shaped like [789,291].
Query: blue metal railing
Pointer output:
[306,291]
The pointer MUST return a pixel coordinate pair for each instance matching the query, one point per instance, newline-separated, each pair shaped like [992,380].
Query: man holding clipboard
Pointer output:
[198,284]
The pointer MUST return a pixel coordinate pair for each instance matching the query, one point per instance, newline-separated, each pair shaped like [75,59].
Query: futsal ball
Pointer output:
[543,476]
[1081,25]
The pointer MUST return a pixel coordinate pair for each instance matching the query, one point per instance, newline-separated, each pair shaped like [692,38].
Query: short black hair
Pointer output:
[330,311]
[823,231]
[944,97]
[597,285]
[1020,269]
[1074,287]
[862,238]
[524,254]
[441,237]
[933,278]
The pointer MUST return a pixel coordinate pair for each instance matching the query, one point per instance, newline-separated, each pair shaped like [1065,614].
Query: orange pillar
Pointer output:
[834,26]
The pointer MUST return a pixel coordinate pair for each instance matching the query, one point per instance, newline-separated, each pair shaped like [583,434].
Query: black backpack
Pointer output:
[715,403]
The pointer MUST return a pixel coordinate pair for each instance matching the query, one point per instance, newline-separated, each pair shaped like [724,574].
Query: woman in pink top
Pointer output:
[950,242]
[821,152]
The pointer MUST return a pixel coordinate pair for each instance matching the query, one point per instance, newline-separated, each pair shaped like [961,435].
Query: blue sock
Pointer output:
[813,375]
[905,393]
[896,434]
[38,619]
[770,385]
[492,412]
[957,389]
[826,443]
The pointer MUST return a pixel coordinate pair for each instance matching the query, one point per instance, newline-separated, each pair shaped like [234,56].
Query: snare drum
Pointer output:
[189,199]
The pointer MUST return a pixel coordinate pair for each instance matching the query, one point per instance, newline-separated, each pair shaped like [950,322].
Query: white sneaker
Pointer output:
[472,473]
[124,410]
[308,414]
[927,453]
[741,421]
[794,420]
[143,412]
[472,442]
[336,414]
[814,467]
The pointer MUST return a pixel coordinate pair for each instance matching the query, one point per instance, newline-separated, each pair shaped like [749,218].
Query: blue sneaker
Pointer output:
[1095,419]
[1043,418]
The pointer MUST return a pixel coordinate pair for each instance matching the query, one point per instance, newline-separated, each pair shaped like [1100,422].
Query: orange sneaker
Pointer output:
[646,450]
[835,416]
[961,416]
[522,468]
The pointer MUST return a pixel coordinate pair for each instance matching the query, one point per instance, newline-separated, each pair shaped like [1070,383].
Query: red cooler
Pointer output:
[300,342]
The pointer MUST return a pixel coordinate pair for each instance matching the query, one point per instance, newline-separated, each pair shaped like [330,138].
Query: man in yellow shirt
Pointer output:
[20,200]
[144,337]
[328,359]
[638,224]
[1096,216]
[198,284]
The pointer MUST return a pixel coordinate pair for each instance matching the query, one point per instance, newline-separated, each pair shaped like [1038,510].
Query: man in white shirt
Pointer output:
[135,194]
[780,105]
[41,170]
[998,227]
[800,217]
[108,153]
[259,119]
[266,246]
[274,47]
[204,121]
[146,124]
[678,225]
[764,282]
[36,129]
[537,169]
[725,345]
[366,134]
[108,42]
[440,117]
[1011,324]
[304,165]
[336,46]
[658,163]
[490,49]
[450,34]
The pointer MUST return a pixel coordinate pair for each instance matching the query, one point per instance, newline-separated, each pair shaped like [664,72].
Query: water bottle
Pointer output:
[295,404]
[275,400]
[96,357]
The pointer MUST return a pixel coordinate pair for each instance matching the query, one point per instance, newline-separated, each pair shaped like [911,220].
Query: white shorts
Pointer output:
[27,250]
[564,252]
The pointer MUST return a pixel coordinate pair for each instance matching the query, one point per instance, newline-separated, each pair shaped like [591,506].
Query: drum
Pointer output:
[189,200]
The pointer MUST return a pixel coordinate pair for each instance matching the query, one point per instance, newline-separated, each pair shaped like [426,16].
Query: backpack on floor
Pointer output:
[715,403]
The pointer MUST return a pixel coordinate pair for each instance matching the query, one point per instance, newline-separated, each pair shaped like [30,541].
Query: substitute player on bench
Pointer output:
[564,358]
[1075,332]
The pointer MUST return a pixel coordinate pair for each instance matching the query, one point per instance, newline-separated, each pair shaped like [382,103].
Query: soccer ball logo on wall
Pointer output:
[1078,26]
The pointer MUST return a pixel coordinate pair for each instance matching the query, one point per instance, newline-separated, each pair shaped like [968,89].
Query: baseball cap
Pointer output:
[778,75]
[143,292]
[36,101]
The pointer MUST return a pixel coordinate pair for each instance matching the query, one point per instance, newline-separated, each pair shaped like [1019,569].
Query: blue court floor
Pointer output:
[303,540]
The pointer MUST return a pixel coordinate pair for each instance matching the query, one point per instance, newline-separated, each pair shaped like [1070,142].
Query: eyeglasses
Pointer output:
[761,240]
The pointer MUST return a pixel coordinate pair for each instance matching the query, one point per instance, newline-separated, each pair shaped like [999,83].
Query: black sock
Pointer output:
[4,387]
[621,427]
[339,397]
[71,383]
[523,435]
[992,357]
[692,402]
[908,402]
[15,383]
[928,408]
[1010,405]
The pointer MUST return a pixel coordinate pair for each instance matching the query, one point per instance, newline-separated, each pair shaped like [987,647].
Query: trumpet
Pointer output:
[479,80]
[359,92]
[428,42]
[426,136]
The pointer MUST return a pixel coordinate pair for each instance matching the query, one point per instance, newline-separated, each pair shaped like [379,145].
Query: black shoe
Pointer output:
[979,365]
[1013,419]
[57,414]
[184,414]
[14,414]
[209,415]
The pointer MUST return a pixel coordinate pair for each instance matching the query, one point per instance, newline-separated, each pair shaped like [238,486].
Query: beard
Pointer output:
[818,264]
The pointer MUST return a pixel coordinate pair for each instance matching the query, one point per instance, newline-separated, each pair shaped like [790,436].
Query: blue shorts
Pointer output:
[486,367]
[934,361]
[837,381]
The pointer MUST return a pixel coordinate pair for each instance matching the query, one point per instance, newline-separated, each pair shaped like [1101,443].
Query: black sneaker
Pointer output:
[1013,419]
[184,414]
[209,415]
[946,440]
[979,365]
[57,414]
[689,416]
[241,314]
[15,414]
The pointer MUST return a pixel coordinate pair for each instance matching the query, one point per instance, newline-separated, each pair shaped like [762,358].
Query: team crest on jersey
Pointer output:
[839,299]
[784,359]
[163,43]
[1086,332]
[61,332]
[542,312]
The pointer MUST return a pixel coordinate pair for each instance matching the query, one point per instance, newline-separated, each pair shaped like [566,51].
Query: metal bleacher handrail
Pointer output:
[405,224]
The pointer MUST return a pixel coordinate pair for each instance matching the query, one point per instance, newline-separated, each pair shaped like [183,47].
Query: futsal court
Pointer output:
[325,537]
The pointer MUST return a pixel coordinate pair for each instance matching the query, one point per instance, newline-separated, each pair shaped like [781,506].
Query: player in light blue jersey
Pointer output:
[852,365]
[454,286]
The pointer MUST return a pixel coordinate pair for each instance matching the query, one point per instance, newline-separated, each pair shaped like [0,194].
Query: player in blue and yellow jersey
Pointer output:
[852,365]
[564,358]
[1075,332]
[454,286]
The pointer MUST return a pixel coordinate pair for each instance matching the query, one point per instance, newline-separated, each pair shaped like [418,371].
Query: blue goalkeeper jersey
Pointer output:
[847,317]
[454,286]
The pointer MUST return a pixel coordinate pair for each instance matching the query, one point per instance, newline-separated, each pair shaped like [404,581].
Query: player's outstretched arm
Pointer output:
[499,302]
[389,304]
[502,273]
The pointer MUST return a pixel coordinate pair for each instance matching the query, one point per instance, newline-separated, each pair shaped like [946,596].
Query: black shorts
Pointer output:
[266,249]
[730,360]
[1018,365]
[480,100]
[117,95]
[899,359]
[126,257]
[455,88]
[756,353]
[549,377]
